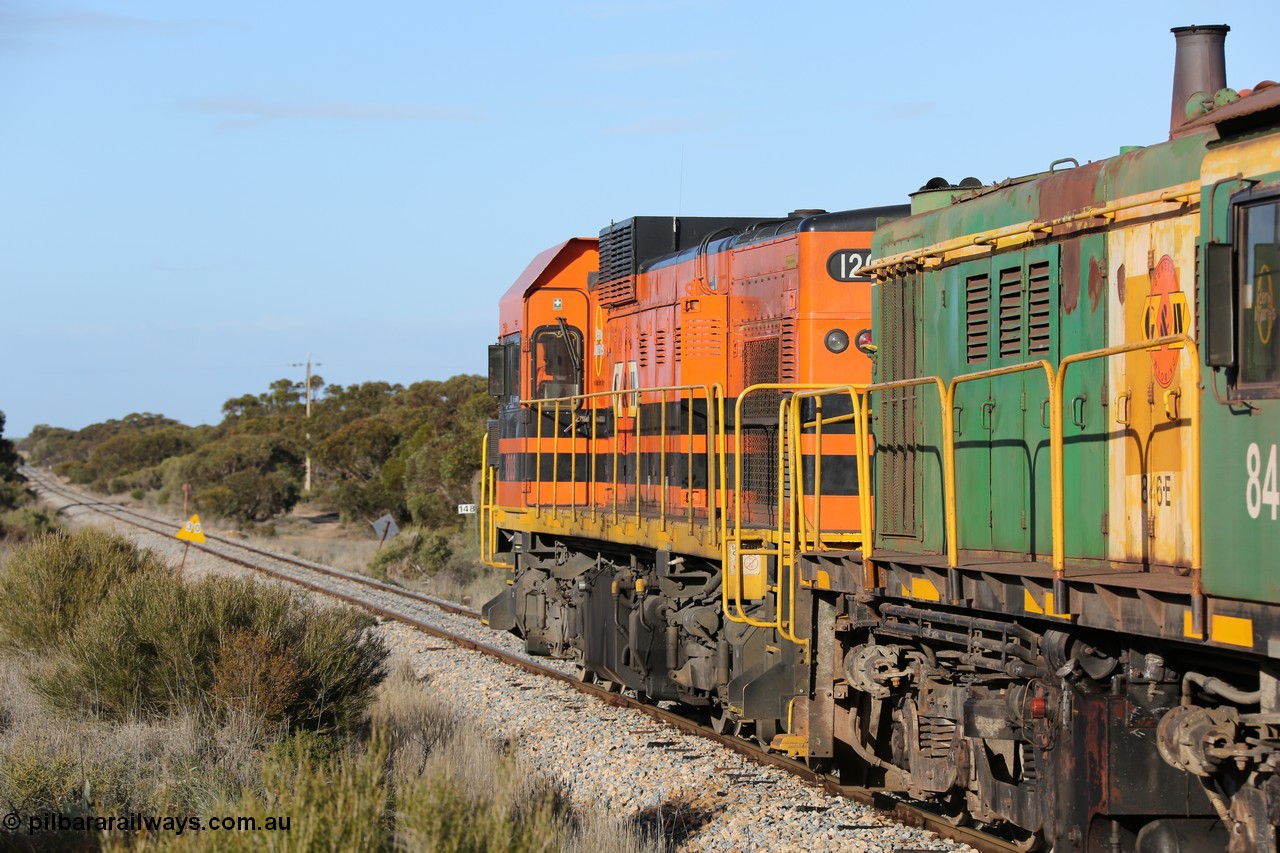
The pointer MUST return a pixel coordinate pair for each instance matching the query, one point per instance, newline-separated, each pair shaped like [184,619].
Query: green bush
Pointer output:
[250,495]
[28,524]
[60,580]
[412,554]
[161,645]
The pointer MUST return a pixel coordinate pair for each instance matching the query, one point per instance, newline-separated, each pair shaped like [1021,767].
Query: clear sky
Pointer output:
[194,195]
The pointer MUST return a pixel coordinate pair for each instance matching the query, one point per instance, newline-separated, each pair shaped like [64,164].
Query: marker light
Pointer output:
[837,340]
[864,344]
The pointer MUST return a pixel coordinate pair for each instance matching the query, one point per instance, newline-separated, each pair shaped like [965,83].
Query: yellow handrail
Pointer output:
[948,444]
[482,524]
[787,528]
[1024,231]
[857,415]
[711,393]
[486,523]
[788,577]
[537,467]
[953,524]
[1188,345]
[736,538]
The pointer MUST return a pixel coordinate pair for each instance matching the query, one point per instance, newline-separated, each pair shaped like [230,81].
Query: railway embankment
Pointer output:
[619,779]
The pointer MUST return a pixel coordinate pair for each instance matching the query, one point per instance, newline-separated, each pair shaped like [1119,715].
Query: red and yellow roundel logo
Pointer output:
[1165,313]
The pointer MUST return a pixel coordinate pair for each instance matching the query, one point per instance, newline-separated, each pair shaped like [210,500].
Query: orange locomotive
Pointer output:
[644,380]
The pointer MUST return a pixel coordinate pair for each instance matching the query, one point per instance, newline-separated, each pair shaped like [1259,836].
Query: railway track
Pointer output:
[462,626]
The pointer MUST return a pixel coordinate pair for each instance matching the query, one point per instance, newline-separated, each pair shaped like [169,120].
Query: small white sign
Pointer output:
[385,527]
[466,509]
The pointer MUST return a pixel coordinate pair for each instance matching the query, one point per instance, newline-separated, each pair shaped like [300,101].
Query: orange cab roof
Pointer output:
[541,270]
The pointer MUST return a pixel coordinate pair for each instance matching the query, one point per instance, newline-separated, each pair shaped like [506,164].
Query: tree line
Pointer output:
[375,447]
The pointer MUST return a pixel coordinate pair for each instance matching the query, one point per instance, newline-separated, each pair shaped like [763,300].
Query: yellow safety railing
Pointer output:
[625,400]
[1188,346]
[792,532]
[948,440]
[856,415]
[486,523]
[783,548]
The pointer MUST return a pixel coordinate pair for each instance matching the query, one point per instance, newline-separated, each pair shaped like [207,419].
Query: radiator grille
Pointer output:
[977,318]
[759,367]
[617,265]
[1011,326]
[1039,316]
[759,477]
[787,370]
[897,500]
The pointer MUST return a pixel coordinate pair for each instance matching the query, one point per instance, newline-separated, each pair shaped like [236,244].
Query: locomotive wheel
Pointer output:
[723,723]
[1024,840]
[954,809]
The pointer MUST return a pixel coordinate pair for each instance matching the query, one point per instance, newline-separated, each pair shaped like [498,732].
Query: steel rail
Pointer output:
[906,813]
[164,526]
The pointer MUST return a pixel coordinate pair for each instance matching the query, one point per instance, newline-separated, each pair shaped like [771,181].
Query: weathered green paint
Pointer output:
[1003,465]
[1241,553]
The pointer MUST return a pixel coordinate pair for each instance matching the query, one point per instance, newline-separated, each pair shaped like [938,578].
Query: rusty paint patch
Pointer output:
[1069,277]
[1120,283]
[1069,191]
[1095,284]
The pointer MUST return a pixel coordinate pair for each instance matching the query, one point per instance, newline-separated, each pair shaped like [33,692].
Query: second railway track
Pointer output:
[461,626]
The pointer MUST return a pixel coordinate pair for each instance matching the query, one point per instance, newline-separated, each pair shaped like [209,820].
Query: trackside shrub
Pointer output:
[27,523]
[56,582]
[412,554]
[221,646]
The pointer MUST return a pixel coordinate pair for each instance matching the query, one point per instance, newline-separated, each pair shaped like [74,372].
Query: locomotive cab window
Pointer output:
[1259,266]
[504,367]
[557,360]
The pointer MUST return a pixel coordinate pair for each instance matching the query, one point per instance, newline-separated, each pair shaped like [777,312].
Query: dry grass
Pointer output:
[460,789]
[427,779]
[420,775]
[51,761]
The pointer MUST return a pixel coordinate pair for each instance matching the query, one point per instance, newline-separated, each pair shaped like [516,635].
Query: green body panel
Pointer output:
[1002,448]
[1241,552]
[1088,422]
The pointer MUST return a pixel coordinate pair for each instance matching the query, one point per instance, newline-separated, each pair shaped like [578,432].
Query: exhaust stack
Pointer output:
[1200,65]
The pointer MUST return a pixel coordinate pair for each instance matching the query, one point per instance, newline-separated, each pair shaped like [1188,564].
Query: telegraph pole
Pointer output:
[306,481]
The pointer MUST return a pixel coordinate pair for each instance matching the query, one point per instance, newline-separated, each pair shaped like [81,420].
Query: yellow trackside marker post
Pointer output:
[192,531]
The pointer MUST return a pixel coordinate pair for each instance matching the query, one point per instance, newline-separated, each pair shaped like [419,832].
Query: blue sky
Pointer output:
[195,195]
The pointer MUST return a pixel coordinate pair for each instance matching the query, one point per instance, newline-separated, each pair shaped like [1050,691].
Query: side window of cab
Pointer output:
[1258,244]
[1241,287]
[557,361]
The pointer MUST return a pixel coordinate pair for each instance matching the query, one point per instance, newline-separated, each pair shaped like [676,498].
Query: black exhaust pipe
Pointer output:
[1200,65]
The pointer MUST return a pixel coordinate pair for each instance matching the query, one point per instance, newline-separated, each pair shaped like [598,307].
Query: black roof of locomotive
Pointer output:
[759,230]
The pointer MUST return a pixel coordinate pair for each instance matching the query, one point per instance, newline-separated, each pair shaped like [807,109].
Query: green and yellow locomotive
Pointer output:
[1025,569]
